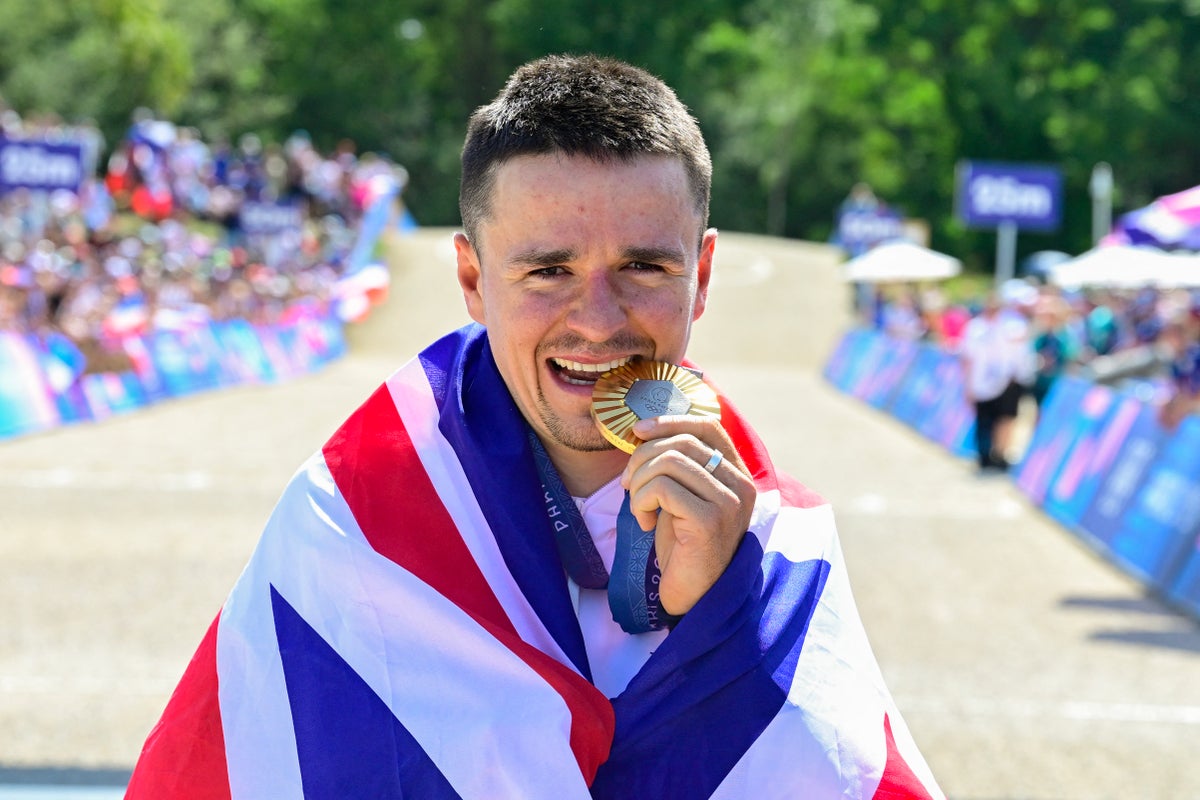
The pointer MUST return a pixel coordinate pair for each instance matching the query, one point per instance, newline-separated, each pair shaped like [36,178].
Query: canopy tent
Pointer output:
[1127,267]
[1171,222]
[900,262]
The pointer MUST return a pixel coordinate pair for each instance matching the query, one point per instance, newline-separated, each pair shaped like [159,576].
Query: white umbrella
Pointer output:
[1126,267]
[900,262]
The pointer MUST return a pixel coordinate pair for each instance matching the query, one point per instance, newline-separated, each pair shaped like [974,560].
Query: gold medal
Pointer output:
[642,389]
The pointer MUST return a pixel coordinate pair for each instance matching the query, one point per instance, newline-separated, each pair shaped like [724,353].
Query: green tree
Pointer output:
[95,59]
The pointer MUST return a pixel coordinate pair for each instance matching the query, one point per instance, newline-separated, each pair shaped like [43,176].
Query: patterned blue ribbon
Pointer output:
[633,596]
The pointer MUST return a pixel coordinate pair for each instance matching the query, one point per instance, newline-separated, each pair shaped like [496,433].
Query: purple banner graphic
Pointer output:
[1052,438]
[1115,495]
[38,164]
[988,194]
[1080,468]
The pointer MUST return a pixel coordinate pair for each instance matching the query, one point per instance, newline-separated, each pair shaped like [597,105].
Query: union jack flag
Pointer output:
[405,629]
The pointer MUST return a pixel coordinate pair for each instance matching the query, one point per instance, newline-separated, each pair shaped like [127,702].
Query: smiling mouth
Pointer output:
[578,374]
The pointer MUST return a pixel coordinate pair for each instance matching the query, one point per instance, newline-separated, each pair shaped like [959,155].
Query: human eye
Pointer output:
[645,266]
[547,272]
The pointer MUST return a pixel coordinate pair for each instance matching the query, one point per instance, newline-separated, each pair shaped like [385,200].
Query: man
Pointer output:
[997,362]
[431,610]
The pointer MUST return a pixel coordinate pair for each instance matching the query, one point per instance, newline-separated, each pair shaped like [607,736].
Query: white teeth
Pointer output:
[575,366]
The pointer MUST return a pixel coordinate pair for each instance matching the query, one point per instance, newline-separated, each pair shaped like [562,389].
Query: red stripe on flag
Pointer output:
[378,471]
[898,781]
[184,755]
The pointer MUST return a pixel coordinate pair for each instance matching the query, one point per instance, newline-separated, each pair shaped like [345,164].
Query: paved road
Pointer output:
[1025,666]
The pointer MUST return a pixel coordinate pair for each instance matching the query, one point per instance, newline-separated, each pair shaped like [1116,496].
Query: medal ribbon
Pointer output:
[633,595]
[576,549]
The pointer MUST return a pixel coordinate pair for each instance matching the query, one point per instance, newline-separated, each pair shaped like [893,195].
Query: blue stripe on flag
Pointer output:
[498,461]
[349,742]
[717,681]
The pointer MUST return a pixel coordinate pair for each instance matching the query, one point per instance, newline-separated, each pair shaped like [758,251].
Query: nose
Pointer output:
[597,313]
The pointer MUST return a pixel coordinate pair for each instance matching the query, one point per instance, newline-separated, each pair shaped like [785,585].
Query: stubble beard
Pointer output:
[583,437]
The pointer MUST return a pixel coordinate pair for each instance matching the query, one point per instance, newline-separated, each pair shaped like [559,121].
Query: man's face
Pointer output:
[580,266]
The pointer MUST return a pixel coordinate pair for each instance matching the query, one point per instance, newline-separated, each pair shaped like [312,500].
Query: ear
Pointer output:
[470,276]
[708,246]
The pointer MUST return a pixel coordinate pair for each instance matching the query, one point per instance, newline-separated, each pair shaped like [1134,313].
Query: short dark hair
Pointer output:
[579,105]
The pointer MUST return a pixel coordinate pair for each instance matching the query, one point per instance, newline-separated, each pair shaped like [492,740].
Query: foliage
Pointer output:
[799,99]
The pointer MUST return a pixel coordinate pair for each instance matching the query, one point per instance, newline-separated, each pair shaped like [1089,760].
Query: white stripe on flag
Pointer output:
[832,722]
[414,401]
[447,680]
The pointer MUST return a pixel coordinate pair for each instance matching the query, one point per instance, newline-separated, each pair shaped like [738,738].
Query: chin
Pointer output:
[582,437]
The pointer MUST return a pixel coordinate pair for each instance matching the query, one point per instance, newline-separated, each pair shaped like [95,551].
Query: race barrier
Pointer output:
[44,382]
[40,390]
[1099,462]
[914,382]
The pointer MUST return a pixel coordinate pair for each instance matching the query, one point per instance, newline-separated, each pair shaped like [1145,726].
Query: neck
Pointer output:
[583,472]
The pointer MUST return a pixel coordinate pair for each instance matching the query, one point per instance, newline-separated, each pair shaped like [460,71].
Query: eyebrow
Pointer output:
[655,255]
[543,258]
[565,255]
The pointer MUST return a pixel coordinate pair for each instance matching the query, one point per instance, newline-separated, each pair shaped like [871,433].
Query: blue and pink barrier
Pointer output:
[39,391]
[43,383]
[1099,462]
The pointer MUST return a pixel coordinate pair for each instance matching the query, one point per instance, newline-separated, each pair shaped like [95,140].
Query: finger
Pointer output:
[682,462]
[673,497]
[707,430]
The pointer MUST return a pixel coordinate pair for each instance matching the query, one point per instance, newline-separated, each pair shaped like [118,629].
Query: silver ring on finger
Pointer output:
[714,461]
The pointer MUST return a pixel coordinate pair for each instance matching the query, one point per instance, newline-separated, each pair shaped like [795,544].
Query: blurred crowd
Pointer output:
[1146,339]
[168,230]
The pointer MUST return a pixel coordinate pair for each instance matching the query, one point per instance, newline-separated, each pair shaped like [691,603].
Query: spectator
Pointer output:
[1181,339]
[995,360]
[1054,347]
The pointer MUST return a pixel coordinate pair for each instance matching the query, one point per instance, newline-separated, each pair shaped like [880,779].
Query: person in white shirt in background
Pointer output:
[997,365]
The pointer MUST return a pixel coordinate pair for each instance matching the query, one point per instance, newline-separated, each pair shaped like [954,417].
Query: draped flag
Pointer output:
[405,629]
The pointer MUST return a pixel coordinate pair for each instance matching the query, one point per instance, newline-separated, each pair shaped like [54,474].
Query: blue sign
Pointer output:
[990,193]
[269,219]
[40,164]
[861,227]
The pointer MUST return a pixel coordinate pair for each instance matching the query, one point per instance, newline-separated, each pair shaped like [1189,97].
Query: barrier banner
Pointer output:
[1163,520]
[62,364]
[1093,456]
[872,363]
[1052,437]
[110,393]
[895,359]
[26,403]
[41,381]
[918,383]
[920,391]
[1118,487]
[951,419]
[1099,462]
[73,405]
[243,356]
[843,368]
[1084,429]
